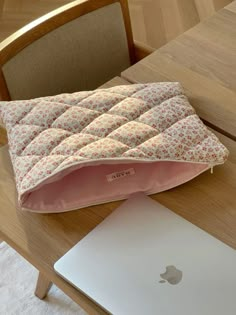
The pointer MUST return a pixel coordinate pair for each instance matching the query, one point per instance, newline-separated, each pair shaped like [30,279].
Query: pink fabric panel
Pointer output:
[90,185]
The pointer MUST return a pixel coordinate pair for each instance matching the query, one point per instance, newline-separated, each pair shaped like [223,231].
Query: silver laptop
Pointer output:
[144,259]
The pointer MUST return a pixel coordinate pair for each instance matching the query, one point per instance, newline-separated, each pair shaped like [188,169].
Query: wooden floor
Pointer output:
[155,22]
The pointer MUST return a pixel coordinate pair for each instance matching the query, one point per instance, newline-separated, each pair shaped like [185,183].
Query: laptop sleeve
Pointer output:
[74,150]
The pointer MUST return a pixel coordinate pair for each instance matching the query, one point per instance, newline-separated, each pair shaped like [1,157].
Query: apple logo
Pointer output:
[172,275]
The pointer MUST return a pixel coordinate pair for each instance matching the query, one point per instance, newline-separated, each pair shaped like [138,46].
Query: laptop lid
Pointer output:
[145,259]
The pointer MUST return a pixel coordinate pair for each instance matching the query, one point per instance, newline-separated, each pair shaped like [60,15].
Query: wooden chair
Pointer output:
[79,46]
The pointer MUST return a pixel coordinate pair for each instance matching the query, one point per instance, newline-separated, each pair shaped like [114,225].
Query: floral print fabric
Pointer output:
[140,122]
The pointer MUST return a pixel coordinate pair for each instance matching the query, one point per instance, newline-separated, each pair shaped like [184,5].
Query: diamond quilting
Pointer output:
[23,164]
[101,101]
[156,94]
[135,153]
[163,146]
[104,148]
[71,145]
[205,150]
[137,122]
[71,160]
[70,99]
[41,169]
[16,110]
[45,142]
[44,114]
[167,113]
[130,108]
[126,90]
[190,131]
[75,119]
[133,133]
[21,136]
[105,124]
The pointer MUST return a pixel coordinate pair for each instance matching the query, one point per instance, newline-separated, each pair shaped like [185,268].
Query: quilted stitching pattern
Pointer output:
[136,122]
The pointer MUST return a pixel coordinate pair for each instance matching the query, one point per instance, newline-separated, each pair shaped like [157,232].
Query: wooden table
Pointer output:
[203,59]
[1,6]
[207,201]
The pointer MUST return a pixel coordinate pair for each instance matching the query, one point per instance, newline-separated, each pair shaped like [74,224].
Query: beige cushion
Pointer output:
[79,55]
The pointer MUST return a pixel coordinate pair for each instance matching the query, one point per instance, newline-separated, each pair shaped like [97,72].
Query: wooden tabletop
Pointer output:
[207,201]
[203,59]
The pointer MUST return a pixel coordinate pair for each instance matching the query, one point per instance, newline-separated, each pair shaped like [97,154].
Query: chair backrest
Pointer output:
[76,47]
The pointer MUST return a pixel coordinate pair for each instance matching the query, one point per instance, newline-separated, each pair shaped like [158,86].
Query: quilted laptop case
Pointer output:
[74,150]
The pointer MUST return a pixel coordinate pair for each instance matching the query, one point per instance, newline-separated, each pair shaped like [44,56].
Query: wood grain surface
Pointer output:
[154,22]
[203,59]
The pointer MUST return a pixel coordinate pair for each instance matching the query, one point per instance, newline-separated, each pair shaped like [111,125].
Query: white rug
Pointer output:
[17,284]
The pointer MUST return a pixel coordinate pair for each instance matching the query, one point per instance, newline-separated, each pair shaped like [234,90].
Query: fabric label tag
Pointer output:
[121,174]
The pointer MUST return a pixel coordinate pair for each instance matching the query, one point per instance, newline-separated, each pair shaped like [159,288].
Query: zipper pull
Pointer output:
[211,168]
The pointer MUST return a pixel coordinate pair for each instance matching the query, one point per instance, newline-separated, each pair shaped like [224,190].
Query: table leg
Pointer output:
[42,287]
